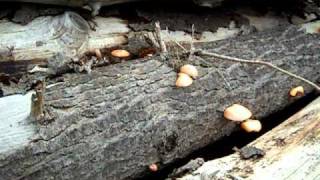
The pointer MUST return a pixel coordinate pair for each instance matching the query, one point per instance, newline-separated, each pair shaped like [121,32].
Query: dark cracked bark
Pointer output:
[115,122]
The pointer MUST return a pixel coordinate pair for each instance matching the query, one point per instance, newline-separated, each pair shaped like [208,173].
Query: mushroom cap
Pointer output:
[190,70]
[237,112]
[120,53]
[296,91]
[153,167]
[183,80]
[251,125]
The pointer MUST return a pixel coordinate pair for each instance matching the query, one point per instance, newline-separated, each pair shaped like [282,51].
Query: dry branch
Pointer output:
[259,62]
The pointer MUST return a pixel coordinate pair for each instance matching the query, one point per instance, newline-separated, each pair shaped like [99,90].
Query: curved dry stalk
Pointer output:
[234,59]
[159,38]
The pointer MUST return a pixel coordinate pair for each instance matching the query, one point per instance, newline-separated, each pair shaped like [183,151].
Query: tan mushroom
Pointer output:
[237,112]
[189,70]
[183,80]
[120,53]
[251,125]
[297,91]
[153,167]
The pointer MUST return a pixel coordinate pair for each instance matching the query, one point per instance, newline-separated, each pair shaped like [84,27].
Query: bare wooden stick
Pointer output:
[234,59]
[162,45]
[38,100]
[192,49]
[178,44]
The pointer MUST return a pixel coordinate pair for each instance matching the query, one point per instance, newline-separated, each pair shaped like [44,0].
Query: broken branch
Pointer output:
[192,49]
[161,43]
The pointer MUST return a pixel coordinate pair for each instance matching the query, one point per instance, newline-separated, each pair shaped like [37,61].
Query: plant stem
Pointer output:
[162,45]
[234,59]
[192,49]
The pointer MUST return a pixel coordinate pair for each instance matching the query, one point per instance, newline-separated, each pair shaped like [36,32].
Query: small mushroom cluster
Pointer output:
[186,75]
[296,91]
[239,113]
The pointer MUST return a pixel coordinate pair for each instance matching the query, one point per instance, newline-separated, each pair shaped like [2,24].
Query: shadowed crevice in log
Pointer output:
[224,146]
[289,150]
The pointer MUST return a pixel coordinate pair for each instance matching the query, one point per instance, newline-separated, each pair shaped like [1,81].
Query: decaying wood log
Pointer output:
[68,34]
[55,41]
[291,152]
[115,122]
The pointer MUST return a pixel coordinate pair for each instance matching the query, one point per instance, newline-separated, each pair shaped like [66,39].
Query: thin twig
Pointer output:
[162,45]
[177,52]
[37,68]
[234,59]
[192,49]
[178,44]
[151,39]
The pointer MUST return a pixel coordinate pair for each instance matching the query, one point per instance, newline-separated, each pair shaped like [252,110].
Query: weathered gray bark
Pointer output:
[115,122]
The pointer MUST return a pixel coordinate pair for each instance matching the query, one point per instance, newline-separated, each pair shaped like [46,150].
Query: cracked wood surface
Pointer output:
[292,152]
[115,122]
[68,34]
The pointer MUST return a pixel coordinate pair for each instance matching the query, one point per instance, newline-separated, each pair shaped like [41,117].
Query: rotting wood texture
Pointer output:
[115,122]
[68,34]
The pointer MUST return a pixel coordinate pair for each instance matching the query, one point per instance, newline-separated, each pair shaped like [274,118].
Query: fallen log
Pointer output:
[115,122]
[68,34]
[291,152]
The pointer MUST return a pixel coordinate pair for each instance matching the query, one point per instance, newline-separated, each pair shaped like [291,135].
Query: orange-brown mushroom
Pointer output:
[297,91]
[153,167]
[251,125]
[183,80]
[237,112]
[189,70]
[120,53]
